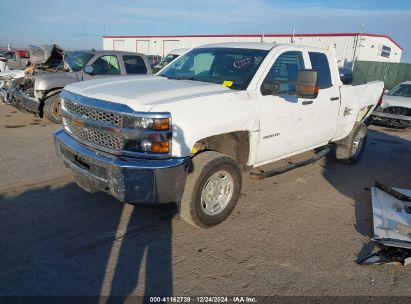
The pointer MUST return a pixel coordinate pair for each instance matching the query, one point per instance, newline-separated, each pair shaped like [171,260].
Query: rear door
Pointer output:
[134,65]
[320,115]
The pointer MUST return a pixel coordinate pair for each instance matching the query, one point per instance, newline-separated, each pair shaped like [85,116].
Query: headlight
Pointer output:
[148,135]
[39,94]
[146,123]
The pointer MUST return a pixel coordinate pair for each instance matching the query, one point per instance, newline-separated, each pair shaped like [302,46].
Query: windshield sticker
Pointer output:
[227,83]
[243,62]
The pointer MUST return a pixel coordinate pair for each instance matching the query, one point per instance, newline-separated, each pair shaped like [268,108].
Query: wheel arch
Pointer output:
[47,94]
[234,144]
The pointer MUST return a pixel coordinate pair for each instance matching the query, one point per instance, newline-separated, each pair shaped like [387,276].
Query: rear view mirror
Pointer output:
[88,69]
[306,86]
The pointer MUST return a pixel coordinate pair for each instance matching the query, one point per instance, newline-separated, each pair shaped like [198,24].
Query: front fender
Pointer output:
[50,81]
[198,118]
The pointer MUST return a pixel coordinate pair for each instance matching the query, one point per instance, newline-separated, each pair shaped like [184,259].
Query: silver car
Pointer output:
[395,107]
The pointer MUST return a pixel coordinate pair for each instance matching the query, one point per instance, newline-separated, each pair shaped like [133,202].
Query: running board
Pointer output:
[263,174]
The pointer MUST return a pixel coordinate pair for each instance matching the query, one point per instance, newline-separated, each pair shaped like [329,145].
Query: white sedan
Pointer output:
[395,107]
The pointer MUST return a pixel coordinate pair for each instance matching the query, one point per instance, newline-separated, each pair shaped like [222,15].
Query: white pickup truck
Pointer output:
[185,134]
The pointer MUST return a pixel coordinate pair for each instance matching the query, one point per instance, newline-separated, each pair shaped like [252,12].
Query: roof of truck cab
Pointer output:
[104,52]
[254,45]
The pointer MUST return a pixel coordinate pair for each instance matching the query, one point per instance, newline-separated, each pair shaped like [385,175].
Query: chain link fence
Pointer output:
[391,73]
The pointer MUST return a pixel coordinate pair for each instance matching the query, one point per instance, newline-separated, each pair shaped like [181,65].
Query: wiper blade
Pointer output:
[178,78]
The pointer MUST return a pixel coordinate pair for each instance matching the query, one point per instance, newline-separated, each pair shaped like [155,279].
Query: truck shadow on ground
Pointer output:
[64,241]
[386,158]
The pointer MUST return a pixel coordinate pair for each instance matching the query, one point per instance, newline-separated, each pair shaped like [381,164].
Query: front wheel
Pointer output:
[52,109]
[350,149]
[212,189]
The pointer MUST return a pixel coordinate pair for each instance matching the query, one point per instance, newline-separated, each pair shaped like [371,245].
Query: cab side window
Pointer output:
[10,55]
[284,72]
[134,64]
[319,63]
[106,65]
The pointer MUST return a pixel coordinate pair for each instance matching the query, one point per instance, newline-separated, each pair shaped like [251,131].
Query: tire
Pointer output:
[350,149]
[52,109]
[212,189]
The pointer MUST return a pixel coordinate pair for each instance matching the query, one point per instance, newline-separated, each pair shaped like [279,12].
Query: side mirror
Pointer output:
[88,69]
[306,86]
[270,88]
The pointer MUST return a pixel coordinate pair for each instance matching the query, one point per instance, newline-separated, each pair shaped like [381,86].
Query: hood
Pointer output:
[46,81]
[12,74]
[142,93]
[48,55]
[396,101]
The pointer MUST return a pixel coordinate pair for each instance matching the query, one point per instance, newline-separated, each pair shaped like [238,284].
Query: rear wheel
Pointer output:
[350,149]
[212,189]
[52,109]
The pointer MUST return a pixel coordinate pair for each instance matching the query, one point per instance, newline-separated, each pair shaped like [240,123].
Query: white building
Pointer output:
[348,46]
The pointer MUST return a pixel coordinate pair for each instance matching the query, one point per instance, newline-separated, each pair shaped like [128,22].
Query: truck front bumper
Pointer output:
[25,102]
[131,180]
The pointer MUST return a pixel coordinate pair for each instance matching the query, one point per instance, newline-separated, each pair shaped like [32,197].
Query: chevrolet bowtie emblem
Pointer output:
[77,122]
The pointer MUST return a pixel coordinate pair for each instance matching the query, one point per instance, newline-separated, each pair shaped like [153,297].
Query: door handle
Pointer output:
[334,98]
[307,102]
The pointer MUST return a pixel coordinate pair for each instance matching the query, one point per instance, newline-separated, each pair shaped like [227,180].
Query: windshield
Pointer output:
[403,90]
[77,60]
[233,67]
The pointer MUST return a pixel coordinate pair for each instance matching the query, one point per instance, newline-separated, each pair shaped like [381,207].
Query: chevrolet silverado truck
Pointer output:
[186,134]
[40,93]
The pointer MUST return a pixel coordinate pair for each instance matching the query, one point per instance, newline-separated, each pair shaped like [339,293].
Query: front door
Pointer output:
[281,125]
[103,66]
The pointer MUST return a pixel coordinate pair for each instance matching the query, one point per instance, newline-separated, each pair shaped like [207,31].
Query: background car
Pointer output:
[345,75]
[170,57]
[395,107]
[40,93]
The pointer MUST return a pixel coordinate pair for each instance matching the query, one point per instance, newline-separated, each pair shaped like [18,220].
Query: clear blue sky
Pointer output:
[79,23]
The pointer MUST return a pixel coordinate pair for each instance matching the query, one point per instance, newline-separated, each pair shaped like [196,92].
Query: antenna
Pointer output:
[292,39]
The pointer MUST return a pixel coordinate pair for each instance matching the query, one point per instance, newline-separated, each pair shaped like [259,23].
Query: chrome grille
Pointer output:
[96,136]
[112,118]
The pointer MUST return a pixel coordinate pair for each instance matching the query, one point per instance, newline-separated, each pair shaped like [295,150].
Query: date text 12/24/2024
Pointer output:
[205,299]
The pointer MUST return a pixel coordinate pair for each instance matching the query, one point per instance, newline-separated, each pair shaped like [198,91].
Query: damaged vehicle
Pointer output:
[44,59]
[40,93]
[186,134]
[16,59]
[395,108]
[8,82]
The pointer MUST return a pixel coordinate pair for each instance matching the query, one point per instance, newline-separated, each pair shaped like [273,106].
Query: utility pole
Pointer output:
[358,45]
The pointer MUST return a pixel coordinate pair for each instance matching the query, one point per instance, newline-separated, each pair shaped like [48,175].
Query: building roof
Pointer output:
[245,45]
[260,35]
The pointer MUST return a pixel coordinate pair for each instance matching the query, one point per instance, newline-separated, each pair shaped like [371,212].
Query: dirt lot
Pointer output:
[295,234]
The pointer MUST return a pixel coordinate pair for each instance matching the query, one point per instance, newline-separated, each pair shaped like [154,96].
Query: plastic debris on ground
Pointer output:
[392,225]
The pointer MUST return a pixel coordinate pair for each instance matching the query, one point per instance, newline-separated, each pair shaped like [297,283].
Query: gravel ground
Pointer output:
[299,233]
